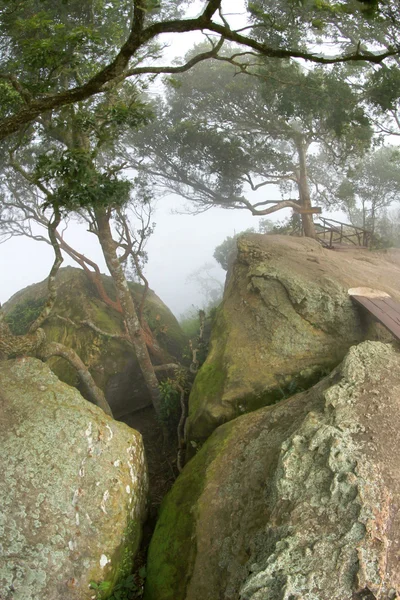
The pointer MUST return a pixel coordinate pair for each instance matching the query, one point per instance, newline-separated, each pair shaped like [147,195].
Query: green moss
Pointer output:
[208,385]
[105,318]
[23,315]
[173,550]
[289,385]
[123,558]
[208,410]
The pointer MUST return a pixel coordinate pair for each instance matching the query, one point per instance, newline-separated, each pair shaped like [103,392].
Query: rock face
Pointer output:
[110,361]
[72,492]
[293,501]
[285,321]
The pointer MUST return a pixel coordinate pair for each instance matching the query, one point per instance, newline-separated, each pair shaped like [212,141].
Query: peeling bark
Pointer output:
[134,329]
[51,284]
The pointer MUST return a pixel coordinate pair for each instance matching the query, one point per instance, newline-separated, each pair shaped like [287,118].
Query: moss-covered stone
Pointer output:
[175,535]
[286,318]
[296,500]
[73,492]
[111,362]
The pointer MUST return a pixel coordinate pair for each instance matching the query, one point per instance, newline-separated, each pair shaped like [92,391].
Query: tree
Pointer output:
[35,342]
[371,186]
[220,136]
[387,229]
[70,161]
[382,94]
[209,285]
[107,42]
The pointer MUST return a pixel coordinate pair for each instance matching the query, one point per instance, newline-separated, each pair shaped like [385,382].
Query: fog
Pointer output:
[181,243]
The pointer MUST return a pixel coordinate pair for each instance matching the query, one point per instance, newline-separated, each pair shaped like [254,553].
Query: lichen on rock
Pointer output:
[298,500]
[285,321]
[73,491]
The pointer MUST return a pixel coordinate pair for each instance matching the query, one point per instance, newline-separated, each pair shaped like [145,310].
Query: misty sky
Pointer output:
[180,244]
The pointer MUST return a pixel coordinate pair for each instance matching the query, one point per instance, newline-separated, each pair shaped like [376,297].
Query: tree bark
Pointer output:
[304,190]
[94,393]
[94,276]
[35,344]
[51,282]
[134,329]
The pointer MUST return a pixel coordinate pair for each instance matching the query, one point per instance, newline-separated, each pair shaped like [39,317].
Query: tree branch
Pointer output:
[139,37]
[94,393]
[88,323]
[58,260]
[267,211]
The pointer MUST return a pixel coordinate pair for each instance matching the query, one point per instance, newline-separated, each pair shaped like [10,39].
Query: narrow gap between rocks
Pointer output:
[161,455]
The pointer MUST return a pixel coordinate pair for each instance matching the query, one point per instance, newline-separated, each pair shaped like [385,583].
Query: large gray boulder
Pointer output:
[72,492]
[286,320]
[293,501]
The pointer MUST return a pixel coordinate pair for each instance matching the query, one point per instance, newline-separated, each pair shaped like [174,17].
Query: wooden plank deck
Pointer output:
[381,306]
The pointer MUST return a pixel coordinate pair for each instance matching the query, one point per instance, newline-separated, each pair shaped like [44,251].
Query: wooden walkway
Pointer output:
[381,306]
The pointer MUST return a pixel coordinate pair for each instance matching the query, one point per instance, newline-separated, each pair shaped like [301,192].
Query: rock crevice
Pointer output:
[297,500]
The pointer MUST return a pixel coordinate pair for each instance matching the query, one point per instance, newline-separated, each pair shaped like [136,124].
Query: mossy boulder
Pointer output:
[295,500]
[73,489]
[111,361]
[285,321]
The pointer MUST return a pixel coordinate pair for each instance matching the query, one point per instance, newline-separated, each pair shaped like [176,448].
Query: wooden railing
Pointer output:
[332,233]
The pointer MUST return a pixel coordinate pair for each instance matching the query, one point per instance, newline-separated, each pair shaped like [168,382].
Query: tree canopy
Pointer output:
[43,42]
[234,125]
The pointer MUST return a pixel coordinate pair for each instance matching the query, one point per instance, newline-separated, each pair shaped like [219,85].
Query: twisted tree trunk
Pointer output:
[94,393]
[132,322]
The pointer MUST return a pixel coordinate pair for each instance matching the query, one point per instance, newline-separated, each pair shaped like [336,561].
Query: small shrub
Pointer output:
[128,588]
[24,314]
[171,403]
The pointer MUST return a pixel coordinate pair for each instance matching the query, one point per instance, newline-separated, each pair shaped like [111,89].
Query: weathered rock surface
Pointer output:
[285,321]
[111,361]
[72,492]
[293,501]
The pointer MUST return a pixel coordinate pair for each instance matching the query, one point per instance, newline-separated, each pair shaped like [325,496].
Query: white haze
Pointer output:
[180,244]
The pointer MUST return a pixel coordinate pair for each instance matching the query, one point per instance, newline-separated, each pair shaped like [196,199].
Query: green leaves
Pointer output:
[383,88]
[77,182]
[24,314]
[126,589]
[10,99]
[52,43]
[224,131]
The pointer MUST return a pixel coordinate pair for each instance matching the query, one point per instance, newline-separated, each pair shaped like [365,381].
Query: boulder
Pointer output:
[73,489]
[285,321]
[111,361]
[293,501]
